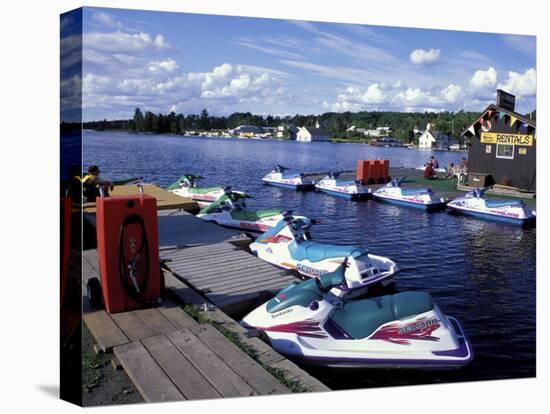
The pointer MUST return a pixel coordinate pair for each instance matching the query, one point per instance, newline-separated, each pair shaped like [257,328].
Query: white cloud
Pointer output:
[373,94]
[397,97]
[168,65]
[451,93]
[425,57]
[521,84]
[122,42]
[484,78]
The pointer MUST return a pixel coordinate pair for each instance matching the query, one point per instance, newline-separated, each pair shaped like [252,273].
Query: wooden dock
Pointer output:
[165,199]
[169,356]
[232,279]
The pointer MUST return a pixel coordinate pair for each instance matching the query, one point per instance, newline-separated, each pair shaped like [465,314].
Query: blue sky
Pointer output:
[185,62]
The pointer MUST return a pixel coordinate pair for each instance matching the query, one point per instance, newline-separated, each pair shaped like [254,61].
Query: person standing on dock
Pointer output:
[434,163]
[92,184]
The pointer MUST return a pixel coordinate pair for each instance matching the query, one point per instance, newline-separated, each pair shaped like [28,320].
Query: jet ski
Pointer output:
[230,210]
[283,178]
[288,245]
[423,198]
[309,323]
[186,186]
[474,204]
[348,189]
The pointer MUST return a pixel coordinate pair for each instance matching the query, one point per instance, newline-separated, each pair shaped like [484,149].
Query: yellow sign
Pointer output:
[510,139]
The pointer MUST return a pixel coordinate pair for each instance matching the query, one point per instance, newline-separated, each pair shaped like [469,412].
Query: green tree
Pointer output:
[138,121]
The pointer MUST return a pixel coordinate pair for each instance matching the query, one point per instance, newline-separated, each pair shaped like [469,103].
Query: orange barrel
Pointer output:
[65,243]
[386,173]
[361,170]
[376,170]
[128,252]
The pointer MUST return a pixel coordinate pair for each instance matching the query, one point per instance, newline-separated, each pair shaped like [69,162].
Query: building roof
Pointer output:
[435,134]
[316,131]
[494,107]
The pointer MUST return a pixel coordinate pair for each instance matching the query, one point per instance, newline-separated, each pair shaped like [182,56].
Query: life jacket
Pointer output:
[85,179]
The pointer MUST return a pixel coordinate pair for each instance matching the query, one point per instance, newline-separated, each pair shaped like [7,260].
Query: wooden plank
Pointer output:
[253,286]
[193,260]
[182,267]
[225,273]
[236,266]
[132,326]
[240,279]
[223,245]
[218,246]
[181,372]
[150,380]
[224,379]
[105,331]
[249,370]
[155,320]
[193,251]
[179,317]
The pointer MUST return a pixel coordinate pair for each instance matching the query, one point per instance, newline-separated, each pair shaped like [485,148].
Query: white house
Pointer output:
[307,134]
[429,138]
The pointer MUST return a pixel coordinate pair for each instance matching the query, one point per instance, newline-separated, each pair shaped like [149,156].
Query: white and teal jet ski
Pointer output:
[230,210]
[288,245]
[309,323]
[350,189]
[186,186]
[284,178]
[475,204]
[423,198]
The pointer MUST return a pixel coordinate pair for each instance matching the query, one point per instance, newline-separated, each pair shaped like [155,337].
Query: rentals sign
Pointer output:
[510,139]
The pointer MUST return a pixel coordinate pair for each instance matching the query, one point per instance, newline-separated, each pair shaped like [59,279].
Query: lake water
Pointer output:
[481,272]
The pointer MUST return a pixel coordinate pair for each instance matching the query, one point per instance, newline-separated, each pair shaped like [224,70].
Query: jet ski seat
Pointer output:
[361,318]
[239,214]
[340,183]
[414,191]
[502,203]
[285,175]
[315,252]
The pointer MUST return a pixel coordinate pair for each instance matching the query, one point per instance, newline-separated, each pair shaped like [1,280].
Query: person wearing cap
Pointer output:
[92,183]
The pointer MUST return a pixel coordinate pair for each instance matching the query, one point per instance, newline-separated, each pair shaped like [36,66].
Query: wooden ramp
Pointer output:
[179,228]
[169,356]
[230,278]
[165,199]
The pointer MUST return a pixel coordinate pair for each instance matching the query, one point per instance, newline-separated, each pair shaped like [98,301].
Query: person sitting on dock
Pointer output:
[92,184]
[462,167]
[429,172]
[450,170]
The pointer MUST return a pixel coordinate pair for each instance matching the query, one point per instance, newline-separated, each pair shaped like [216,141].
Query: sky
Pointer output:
[183,62]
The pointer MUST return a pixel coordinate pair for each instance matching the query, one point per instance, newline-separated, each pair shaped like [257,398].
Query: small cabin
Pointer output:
[503,145]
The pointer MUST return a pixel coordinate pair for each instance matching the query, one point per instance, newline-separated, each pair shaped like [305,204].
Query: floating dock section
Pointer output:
[232,279]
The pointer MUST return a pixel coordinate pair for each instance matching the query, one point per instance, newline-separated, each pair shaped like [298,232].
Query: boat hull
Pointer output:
[349,196]
[444,360]
[485,215]
[287,186]
[405,203]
